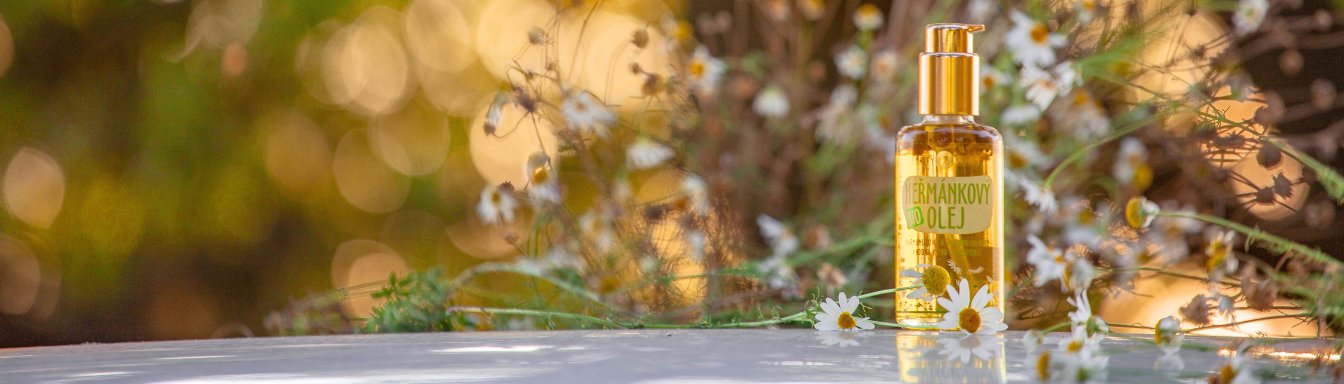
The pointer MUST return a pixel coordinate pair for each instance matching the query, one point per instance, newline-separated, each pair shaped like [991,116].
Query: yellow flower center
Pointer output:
[1043,366]
[1226,374]
[540,176]
[1134,213]
[1016,160]
[845,321]
[1158,336]
[1143,177]
[935,280]
[495,197]
[868,11]
[989,82]
[1039,34]
[1075,346]
[697,69]
[969,320]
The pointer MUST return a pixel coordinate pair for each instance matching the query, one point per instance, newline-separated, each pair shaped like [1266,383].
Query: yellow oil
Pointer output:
[947,146]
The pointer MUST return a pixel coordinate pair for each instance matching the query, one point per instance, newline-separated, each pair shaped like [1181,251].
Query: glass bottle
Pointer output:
[949,182]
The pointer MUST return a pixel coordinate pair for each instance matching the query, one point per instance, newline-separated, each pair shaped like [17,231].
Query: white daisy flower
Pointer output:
[852,62]
[933,281]
[697,194]
[1167,334]
[542,184]
[980,11]
[771,103]
[836,119]
[965,347]
[1024,154]
[1082,114]
[868,17]
[705,72]
[1131,164]
[1086,11]
[1032,339]
[1140,212]
[839,316]
[991,77]
[777,273]
[1031,42]
[1169,235]
[585,113]
[886,64]
[1048,261]
[969,313]
[1082,315]
[782,241]
[1080,272]
[1020,115]
[1039,196]
[645,154]
[1249,15]
[494,113]
[1221,260]
[1044,85]
[1236,370]
[496,205]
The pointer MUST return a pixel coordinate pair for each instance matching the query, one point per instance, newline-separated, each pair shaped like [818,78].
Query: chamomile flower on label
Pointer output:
[771,103]
[496,205]
[933,281]
[968,312]
[1249,15]
[705,72]
[852,62]
[868,17]
[585,114]
[645,154]
[1031,42]
[839,315]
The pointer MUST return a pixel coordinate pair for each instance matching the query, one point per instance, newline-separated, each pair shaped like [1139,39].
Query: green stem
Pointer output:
[1236,323]
[1269,241]
[1087,149]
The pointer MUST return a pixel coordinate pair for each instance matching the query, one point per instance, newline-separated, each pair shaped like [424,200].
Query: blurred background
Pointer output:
[185,169]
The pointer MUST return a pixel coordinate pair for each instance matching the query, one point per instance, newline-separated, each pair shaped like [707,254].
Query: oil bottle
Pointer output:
[949,182]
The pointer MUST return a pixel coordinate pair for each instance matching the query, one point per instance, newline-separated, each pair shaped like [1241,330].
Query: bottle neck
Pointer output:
[949,119]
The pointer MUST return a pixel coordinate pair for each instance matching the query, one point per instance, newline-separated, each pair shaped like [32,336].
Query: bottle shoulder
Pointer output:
[980,131]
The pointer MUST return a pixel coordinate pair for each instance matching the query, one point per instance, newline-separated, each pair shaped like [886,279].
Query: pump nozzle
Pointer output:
[949,70]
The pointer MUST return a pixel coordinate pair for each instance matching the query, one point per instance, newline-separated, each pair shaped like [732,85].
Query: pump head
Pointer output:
[949,70]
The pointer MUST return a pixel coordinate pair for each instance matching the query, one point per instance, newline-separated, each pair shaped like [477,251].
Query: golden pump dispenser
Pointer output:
[949,183]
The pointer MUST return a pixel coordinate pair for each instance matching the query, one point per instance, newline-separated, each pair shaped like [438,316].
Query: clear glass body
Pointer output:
[948,148]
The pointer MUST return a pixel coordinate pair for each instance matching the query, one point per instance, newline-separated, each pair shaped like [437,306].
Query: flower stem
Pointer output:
[1268,241]
[1088,149]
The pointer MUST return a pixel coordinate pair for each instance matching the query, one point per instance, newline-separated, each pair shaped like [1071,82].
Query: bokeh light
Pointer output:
[34,187]
[363,261]
[20,277]
[413,141]
[365,66]
[297,154]
[363,180]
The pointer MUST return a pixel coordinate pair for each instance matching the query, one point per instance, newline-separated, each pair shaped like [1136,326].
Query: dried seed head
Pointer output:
[636,69]
[1197,311]
[1269,156]
[653,84]
[537,36]
[1260,294]
[1283,186]
[640,38]
[1272,111]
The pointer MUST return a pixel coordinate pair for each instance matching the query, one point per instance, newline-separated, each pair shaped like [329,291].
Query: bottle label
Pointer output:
[947,205]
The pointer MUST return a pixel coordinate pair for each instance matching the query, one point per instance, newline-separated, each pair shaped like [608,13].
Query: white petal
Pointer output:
[831,307]
[948,304]
[911,273]
[863,323]
[991,315]
[848,304]
[826,326]
[981,297]
[826,318]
